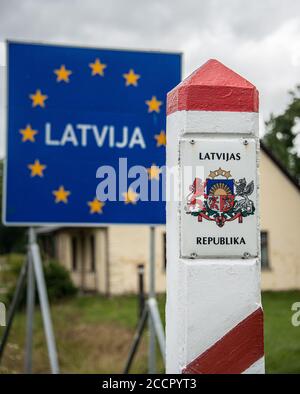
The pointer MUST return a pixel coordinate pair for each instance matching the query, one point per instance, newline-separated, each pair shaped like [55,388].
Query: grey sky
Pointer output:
[260,39]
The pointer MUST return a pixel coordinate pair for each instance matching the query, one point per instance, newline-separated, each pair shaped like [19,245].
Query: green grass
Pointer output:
[282,340]
[94,334]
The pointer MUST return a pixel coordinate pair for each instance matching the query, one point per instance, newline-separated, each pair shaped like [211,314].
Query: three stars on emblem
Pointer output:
[219,172]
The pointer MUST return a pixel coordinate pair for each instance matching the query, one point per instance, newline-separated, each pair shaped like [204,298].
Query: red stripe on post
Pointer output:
[213,87]
[235,352]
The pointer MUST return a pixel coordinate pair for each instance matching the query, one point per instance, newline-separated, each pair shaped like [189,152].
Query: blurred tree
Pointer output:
[58,280]
[12,239]
[282,131]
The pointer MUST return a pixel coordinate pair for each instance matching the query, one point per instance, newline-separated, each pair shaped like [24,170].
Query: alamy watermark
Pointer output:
[2,315]
[295,320]
[155,183]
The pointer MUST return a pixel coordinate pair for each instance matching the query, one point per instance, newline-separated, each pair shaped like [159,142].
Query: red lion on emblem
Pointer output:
[197,195]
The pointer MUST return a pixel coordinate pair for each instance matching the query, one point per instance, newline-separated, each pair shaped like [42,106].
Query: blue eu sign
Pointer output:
[73,114]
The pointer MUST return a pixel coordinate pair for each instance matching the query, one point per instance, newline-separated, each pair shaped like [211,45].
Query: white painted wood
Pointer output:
[218,296]
[208,122]
[207,297]
[256,368]
[175,304]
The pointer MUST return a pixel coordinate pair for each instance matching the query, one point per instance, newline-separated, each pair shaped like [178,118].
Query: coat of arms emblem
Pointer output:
[220,198]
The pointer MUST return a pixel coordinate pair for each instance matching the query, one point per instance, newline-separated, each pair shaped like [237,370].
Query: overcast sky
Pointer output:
[259,39]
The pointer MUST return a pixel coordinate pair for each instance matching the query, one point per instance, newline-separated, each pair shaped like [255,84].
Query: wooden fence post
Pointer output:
[214,318]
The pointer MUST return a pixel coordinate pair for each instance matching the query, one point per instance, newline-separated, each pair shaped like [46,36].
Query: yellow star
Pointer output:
[131,78]
[153,172]
[96,206]
[212,174]
[153,104]
[61,195]
[130,197]
[62,74]
[97,67]
[161,139]
[226,174]
[38,99]
[28,134]
[37,168]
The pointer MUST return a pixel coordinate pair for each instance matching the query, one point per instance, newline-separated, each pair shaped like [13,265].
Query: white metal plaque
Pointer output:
[218,197]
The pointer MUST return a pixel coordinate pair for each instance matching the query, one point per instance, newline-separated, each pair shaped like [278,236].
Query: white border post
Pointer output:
[214,318]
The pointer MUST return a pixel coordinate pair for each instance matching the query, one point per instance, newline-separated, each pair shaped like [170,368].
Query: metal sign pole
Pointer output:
[32,270]
[152,313]
[41,286]
[14,305]
[30,315]
[157,326]
[136,340]
[141,295]
[152,342]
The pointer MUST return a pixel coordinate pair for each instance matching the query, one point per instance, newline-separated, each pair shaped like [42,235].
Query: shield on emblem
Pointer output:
[226,202]
[220,194]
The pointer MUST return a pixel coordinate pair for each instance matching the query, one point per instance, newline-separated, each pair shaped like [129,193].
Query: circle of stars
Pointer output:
[39,99]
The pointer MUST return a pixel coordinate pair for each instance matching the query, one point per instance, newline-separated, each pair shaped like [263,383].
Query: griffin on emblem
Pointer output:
[244,191]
